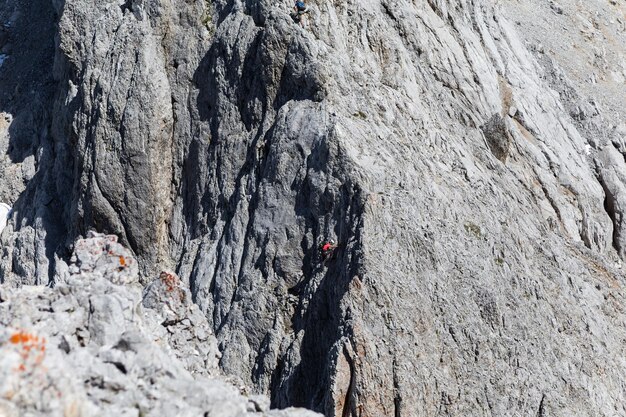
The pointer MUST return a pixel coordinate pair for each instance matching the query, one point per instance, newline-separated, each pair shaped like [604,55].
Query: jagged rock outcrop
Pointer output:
[92,347]
[498,135]
[475,189]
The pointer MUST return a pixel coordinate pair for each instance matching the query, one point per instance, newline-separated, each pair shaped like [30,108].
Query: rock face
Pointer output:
[92,347]
[473,184]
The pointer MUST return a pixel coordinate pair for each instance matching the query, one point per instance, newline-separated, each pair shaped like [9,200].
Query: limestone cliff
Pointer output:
[467,156]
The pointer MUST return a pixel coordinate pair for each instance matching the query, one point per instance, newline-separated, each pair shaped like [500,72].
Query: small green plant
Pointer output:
[499,260]
[473,229]
[360,115]
[207,17]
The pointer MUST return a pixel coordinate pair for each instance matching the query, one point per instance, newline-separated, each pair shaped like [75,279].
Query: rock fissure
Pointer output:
[611,211]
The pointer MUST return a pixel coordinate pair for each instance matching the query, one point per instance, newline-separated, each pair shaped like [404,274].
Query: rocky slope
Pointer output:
[474,182]
[94,346]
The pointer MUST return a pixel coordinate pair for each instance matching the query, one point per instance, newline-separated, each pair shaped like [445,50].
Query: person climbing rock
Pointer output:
[328,248]
[300,8]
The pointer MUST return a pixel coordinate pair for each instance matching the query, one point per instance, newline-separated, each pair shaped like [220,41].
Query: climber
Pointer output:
[5,212]
[328,248]
[300,8]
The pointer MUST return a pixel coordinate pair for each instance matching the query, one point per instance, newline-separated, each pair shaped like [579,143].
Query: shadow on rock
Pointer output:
[321,315]
[27,91]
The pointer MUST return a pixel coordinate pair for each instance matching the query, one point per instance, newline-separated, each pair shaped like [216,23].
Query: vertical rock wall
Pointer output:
[479,221]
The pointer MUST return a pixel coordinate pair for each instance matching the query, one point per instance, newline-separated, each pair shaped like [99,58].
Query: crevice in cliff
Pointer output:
[127,5]
[397,398]
[552,202]
[348,401]
[322,319]
[389,12]
[437,10]
[611,211]
[541,410]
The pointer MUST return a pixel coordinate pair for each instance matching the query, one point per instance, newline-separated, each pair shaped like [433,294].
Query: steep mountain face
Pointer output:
[473,183]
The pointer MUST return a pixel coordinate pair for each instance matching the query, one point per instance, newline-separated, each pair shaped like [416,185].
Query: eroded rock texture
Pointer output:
[474,184]
[93,347]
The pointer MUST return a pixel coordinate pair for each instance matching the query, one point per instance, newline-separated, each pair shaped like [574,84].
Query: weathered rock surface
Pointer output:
[92,347]
[474,183]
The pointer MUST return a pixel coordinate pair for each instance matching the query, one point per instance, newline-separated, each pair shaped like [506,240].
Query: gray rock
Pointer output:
[88,348]
[225,143]
[613,180]
[184,328]
[498,136]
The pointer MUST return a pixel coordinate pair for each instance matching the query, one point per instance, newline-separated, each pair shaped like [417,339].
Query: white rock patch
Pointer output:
[5,209]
